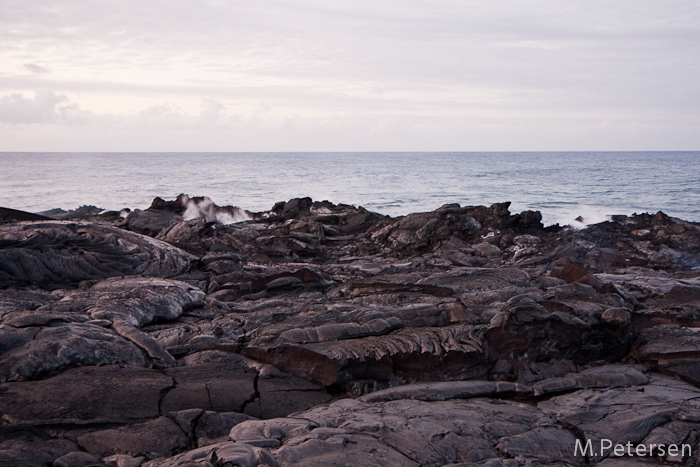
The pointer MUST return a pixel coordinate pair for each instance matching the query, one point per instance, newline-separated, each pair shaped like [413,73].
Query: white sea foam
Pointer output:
[207,209]
[228,218]
[582,216]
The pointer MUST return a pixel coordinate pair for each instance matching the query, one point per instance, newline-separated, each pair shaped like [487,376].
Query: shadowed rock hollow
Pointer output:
[189,334]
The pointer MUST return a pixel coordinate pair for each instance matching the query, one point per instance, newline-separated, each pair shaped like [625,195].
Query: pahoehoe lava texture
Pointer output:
[317,334]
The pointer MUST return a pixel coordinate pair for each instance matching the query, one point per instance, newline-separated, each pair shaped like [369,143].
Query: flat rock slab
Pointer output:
[447,390]
[672,349]
[390,431]
[626,415]
[279,397]
[212,386]
[609,376]
[54,349]
[228,387]
[409,432]
[161,436]
[109,394]
[19,453]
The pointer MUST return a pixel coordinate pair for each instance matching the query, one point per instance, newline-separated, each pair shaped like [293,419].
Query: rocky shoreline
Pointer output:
[318,334]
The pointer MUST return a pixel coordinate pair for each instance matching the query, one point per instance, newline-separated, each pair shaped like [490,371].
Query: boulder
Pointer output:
[62,254]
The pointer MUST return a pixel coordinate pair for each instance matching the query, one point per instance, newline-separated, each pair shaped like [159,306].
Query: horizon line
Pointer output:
[359,152]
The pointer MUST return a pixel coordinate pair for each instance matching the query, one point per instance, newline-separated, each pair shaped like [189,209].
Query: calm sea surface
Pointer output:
[561,185]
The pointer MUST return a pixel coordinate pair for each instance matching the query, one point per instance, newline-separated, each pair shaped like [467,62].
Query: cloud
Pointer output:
[157,118]
[36,69]
[362,69]
[45,107]
[211,113]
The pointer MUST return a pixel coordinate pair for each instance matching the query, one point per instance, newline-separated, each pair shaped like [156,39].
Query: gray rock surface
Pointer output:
[54,254]
[319,334]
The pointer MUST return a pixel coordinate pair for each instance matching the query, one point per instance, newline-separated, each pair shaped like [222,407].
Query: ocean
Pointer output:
[562,185]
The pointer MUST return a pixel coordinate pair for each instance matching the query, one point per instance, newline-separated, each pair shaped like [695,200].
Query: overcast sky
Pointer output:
[317,75]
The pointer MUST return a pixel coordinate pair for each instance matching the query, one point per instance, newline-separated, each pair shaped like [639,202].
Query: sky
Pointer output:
[321,75]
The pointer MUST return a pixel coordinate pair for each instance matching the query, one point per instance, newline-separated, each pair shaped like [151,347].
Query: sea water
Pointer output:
[562,185]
